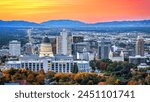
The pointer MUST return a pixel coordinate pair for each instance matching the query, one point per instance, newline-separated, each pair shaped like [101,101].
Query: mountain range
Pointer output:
[74,23]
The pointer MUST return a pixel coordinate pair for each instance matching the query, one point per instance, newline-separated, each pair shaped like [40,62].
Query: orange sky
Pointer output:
[84,10]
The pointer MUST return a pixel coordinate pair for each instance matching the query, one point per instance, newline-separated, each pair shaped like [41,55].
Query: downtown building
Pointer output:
[104,47]
[64,43]
[57,63]
[139,50]
[15,48]
[62,61]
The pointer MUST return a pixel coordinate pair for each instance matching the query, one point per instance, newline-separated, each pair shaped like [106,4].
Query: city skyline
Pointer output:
[89,11]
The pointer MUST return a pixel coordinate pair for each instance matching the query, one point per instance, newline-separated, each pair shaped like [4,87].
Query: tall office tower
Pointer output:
[14,48]
[53,42]
[104,46]
[64,43]
[46,48]
[29,31]
[140,46]
[28,48]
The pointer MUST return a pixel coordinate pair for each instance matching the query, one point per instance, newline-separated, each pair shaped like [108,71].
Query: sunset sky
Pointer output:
[83,10]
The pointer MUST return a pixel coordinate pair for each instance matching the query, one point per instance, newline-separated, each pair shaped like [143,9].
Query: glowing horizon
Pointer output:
[89,11]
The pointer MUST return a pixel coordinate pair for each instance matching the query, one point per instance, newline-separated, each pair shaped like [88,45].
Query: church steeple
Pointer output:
[110,54]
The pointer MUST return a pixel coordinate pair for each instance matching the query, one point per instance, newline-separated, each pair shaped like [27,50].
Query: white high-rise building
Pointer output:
[14,48]
[64,42]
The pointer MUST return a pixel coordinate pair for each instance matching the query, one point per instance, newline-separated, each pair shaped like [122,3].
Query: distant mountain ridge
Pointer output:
[125,23]
[16,23]
[75,23]
[63,23]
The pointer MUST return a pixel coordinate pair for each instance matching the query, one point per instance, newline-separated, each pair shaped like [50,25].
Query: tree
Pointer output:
[86,78]
[74,68]
[101,65]
[147,80]
[93,64]
[30,78]
[42,71]
[40,79]
[12,71]
[131,82]
[7,78]
[49,74]
[107,61]
[3,59]
[111,80]
[17,76]
[62,77]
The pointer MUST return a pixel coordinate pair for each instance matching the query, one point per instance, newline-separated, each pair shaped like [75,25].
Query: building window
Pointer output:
[41,65]
[22,65]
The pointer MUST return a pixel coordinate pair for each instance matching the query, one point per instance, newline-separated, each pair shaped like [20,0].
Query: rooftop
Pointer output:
[46,40]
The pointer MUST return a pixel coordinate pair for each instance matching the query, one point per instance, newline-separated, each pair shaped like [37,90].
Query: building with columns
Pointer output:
[57,63]
[46,48]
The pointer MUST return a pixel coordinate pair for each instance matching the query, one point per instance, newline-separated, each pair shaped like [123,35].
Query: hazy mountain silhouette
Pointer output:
[63,23]
[75,23]
[16,23]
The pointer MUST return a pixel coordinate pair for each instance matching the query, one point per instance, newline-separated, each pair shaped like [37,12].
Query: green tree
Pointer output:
[74,68]
[93,64]
[49,74]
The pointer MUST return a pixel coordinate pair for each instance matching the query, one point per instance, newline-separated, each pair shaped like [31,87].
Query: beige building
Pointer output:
[46,48]
[116,57]
[140,46]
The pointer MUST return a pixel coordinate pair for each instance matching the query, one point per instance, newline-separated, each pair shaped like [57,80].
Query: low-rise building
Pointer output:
[137,59]
[143,65]
[58,63]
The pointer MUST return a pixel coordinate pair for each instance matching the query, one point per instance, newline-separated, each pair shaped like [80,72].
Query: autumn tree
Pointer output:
[101,65]
[111,80]
[40,79]
[147,80]
[86,78]
[30,78]
[62,77]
